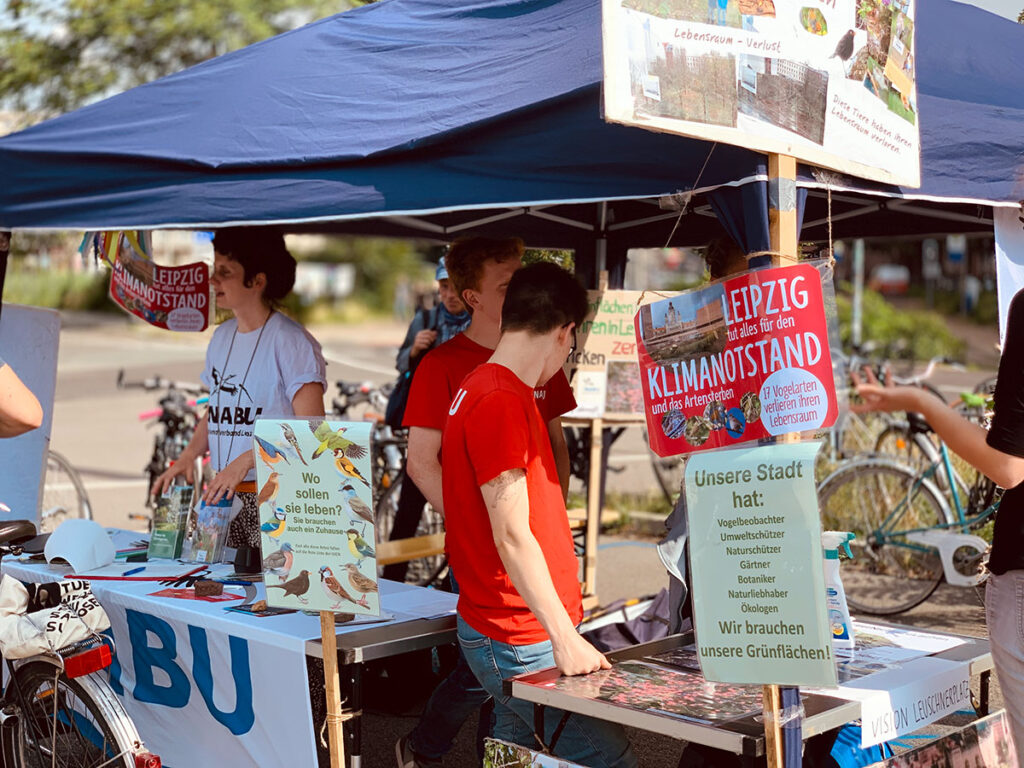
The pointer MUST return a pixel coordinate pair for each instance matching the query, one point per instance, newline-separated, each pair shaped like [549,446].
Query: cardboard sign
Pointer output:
[316,515]
[738,360]
[756,563]
[604,372]
[174,298]
[985,743]
[833,84]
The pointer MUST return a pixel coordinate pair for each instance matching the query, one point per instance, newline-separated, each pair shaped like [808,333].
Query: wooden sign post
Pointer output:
[332,687]
[782,232]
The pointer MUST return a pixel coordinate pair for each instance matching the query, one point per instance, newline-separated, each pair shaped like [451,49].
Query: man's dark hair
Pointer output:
[259,249]
[542,297]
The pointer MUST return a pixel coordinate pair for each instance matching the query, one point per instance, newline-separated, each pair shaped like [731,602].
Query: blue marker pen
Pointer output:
[133,571]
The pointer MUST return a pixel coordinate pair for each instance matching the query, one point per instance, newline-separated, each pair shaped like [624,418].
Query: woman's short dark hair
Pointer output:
[259,249]
[542,297]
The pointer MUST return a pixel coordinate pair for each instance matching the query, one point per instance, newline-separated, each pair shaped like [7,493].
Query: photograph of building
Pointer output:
[683,327]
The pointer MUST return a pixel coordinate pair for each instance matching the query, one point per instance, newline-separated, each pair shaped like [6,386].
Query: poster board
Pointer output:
[29,337]
[985,743]
[603,369]
[756,566]
[172,298]
[738,360]
[316,515]
[1009,228]
[830,83]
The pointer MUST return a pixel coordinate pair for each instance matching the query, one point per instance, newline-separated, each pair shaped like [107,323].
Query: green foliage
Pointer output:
[56,55]
[918,335]
[565,259]
[379,262]
[58,290]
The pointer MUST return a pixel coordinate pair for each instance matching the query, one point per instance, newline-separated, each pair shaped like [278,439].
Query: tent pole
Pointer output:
[5,250]
[782,232]
[601,242]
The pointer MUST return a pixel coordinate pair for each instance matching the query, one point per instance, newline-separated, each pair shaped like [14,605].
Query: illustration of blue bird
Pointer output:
[358,545]
[269,452]
[274,526]
[356,504]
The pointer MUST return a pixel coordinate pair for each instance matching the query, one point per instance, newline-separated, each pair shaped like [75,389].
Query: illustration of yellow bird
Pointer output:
[331,440]
[358,546]
[275,525]
[345,466]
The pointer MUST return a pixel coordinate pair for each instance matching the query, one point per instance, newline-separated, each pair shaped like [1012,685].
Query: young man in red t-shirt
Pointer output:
[508,536]
[480,269]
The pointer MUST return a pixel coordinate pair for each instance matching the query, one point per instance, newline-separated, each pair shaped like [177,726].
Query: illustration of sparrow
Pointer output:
[357,505]
[335,591]
[280,562]
[345,466]
[297,586]
[269,452]
[333,440]
[269,490]
[275,525]
[289,436]
[358,546]
[358,581]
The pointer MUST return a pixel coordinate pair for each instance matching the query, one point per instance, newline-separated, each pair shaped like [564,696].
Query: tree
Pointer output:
[1020,18]
[56,55]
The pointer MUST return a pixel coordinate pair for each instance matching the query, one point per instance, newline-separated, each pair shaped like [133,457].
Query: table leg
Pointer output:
[986,678]
[353,705]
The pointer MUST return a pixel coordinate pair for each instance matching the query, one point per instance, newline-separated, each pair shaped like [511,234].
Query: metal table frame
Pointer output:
[744,737]
[377,642]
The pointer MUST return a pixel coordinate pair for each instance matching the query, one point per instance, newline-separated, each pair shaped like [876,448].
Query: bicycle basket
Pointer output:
[67,614]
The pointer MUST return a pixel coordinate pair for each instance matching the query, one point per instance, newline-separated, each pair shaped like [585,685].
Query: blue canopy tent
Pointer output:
[427,118]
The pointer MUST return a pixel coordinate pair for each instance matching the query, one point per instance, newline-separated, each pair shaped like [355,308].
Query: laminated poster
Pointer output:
[756,567]
[735,361]
[173,298]
[603,370]
[831,83]
[316,515]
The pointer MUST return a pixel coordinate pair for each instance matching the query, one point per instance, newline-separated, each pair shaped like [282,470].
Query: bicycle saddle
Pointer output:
[16,531]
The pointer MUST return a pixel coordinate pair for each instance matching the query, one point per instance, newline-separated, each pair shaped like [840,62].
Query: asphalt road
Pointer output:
[96,426]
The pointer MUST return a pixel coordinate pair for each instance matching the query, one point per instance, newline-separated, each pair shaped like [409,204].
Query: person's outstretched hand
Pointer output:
[888,397]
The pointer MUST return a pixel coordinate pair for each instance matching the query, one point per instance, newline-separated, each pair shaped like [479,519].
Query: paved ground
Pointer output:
[96,426]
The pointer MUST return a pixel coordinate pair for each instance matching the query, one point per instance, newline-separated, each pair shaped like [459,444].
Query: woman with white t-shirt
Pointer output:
[260,364]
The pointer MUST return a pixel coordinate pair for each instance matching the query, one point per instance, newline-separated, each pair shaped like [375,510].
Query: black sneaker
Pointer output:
[408,759]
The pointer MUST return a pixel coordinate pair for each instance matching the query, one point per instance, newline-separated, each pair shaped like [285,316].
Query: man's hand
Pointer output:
[575,656]
[424,340]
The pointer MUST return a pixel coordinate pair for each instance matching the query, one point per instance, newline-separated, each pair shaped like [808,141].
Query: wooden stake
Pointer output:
[783,238]
[332,686]
[593,509]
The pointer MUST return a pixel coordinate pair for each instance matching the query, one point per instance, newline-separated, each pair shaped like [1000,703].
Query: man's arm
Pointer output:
[423,466]
[508,506]
[561,453]
[20,411]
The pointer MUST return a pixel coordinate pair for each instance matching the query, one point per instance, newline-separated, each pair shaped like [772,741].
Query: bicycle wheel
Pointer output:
[71,722]
[897,442]
[64,494]
[880,502]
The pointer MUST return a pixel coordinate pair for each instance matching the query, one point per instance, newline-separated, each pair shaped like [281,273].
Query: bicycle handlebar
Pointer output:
[158,382]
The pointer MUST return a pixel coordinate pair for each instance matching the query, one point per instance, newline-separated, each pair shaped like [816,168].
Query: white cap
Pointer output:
[83,544]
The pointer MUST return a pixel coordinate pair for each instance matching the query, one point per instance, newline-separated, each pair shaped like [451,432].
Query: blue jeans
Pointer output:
[454,700]
[584,740]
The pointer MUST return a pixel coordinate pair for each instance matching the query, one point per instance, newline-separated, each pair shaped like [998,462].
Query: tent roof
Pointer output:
[420,107]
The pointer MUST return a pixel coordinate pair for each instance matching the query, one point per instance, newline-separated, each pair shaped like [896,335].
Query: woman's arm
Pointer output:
[309,400]
[196,447]
[20,411]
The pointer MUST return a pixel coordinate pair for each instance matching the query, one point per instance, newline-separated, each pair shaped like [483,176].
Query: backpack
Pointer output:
[394,414]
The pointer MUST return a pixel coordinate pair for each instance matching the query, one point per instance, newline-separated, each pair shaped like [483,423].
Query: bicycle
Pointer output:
[58,708]
[912,524]
[64,495]
[178,417]
[388,458]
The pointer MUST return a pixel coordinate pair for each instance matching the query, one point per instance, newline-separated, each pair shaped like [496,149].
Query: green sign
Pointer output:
[316,514]
[756,566]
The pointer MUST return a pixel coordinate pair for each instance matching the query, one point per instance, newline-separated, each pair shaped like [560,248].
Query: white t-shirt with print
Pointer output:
[286,357]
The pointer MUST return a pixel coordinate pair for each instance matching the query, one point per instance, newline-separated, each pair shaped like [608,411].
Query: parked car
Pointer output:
[890,279]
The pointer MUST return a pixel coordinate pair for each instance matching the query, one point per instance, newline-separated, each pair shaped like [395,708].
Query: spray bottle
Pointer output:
[835,596]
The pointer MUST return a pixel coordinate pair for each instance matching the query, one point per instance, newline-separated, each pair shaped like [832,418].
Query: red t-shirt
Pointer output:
[493,426]
[442,370]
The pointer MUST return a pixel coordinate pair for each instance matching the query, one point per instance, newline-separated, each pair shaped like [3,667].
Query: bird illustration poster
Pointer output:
[831,83]
[315,502]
